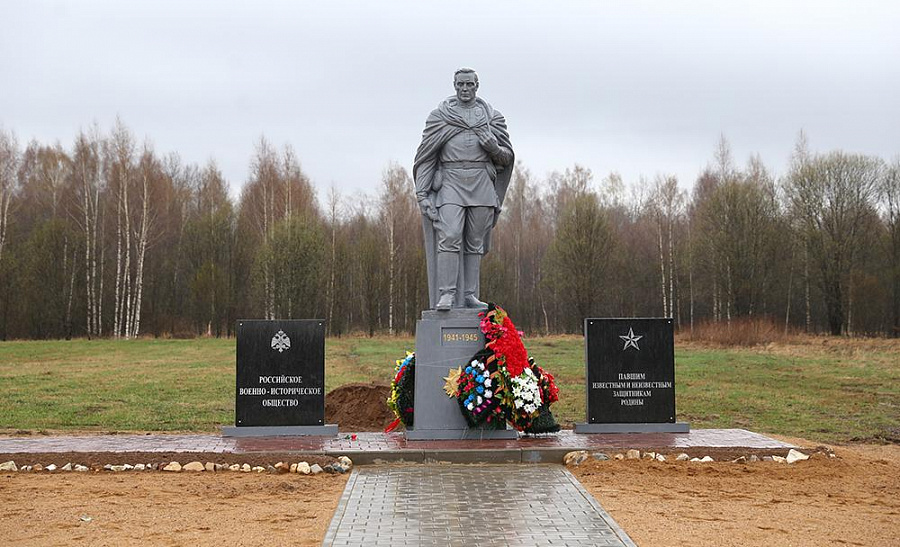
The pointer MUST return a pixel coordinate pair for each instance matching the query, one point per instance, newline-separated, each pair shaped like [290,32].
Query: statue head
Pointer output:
[466,83]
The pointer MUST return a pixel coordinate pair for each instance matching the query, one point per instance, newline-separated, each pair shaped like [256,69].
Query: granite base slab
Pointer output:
[677,427]
[327,430]
[460,434]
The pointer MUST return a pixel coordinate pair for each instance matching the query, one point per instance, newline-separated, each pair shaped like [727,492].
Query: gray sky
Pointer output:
[638,87]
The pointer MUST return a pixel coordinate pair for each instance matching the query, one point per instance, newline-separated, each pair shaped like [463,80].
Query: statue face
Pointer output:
[466,87]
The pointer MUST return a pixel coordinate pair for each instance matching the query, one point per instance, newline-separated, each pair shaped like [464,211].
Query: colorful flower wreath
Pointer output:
[522,391]
[499,384]
[403,392]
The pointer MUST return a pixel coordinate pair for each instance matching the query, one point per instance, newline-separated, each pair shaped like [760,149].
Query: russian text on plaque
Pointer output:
[630,376]
[280,379]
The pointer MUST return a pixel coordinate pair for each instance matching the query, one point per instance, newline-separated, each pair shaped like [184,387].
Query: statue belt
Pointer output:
[464,164]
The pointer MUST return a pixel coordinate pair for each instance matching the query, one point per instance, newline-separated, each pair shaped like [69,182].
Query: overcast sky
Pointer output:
[637,87]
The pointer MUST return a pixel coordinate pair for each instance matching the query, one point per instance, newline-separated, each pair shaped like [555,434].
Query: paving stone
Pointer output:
[465,505]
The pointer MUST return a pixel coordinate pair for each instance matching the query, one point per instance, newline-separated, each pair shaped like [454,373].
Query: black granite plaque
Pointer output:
[280,373]
[630,370]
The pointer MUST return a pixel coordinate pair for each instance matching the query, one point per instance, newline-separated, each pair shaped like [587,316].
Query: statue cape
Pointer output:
[443,124]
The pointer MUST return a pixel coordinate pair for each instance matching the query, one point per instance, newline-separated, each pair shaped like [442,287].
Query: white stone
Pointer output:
[128,467]
[741,459]
[633,454]
[315,469]
[753,458]
[304,468]
[234,467]
[706,459]
[140,467]
[210,466]
[619,457]
[682,457]
[246,468]
[51,467]
[575,458]
[67,467]
[193,466]
[117,468]
[779,459]
[796,456]
[25,468]
[8,466]
[82,468]
[695,459]
[345,461]
[259,469]
[174,467]
[649,455]
[660,458]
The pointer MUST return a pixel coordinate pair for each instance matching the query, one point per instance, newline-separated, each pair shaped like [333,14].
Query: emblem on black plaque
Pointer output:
[630,340]
[281,341]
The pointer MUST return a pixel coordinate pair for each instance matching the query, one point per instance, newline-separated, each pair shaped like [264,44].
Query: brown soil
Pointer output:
[853,499]
[156,508]
[359,407]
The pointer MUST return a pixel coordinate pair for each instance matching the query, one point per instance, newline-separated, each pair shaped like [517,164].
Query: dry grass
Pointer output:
[744,332]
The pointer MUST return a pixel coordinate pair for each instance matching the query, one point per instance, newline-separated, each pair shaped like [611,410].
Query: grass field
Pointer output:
[833,390]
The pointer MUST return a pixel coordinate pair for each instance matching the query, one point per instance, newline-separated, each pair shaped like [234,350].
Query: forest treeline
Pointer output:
[106,237]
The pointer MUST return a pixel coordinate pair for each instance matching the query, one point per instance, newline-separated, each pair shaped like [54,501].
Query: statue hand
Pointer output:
[497,212]
[428,209]
[488,141]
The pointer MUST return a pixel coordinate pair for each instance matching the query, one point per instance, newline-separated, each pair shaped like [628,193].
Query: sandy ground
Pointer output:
[156,508]
[850,500]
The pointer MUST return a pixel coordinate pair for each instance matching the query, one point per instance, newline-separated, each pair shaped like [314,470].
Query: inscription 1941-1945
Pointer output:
[280,373]
[461,336]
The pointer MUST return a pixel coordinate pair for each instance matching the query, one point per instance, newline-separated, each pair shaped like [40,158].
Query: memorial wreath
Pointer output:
[499,384]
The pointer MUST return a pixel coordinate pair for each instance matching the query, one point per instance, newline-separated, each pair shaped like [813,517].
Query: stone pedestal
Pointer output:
[444,340]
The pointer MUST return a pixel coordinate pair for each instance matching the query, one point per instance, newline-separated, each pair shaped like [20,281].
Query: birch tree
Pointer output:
[88,170]
[667,203]
[9,167]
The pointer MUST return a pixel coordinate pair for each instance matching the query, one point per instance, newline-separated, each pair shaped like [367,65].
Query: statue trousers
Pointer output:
[465,227]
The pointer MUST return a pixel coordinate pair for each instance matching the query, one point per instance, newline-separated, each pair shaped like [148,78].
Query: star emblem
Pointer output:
[630,340]
[451,381]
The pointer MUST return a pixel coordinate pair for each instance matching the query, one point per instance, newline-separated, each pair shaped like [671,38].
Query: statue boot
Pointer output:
[472,268]
[447,271]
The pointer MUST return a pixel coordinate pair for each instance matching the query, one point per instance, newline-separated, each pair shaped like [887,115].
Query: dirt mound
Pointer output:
[359,407]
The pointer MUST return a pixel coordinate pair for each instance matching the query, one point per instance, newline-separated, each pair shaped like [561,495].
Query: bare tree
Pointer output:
[9,167]
[88,167]
[890,191]
[831,196]
[667,204]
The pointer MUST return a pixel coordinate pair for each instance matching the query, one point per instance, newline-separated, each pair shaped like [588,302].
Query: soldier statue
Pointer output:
[461,173]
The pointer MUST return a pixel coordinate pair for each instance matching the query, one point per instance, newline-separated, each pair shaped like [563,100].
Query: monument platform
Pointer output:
[375,448]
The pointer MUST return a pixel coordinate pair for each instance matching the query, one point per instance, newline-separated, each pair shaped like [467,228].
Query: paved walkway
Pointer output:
[471,506]
[369,441]
[381,447]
